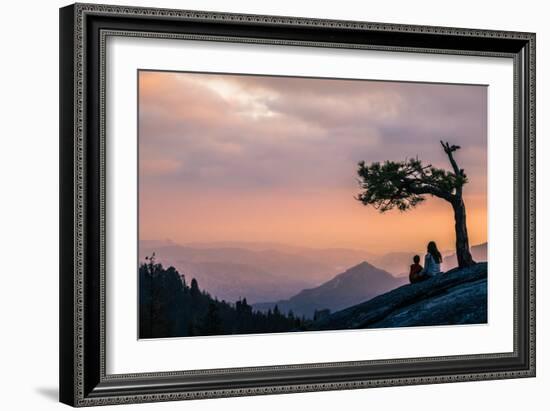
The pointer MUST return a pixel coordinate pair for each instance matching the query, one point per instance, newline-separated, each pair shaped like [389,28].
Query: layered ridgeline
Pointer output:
[264,271]
[270,271]
[355,285]
[398,262]
[479,254]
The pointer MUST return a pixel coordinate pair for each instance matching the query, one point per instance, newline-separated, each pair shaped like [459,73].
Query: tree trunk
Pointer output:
[462,245]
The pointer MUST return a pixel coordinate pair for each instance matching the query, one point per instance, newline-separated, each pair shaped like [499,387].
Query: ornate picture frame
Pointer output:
[84,30]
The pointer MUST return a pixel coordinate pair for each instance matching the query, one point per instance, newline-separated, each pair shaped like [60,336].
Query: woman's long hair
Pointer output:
[432,249]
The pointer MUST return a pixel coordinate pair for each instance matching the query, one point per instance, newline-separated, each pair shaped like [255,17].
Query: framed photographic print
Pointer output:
[261,204]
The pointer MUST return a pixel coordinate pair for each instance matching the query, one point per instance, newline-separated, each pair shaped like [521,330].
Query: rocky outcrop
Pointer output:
[458,296]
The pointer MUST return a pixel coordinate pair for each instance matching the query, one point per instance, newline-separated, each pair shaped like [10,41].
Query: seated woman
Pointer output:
[416,268]
[432,261]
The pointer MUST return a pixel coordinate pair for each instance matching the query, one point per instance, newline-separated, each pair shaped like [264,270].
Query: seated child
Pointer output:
[416,268]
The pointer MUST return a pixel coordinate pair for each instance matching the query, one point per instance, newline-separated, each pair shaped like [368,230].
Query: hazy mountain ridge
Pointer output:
[337,258]
[398,262]
[356,284]
[233,281]
[271,271]
[261,274]
[479,254]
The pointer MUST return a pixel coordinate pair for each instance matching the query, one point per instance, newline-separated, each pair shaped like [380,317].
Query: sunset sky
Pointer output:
[274,159]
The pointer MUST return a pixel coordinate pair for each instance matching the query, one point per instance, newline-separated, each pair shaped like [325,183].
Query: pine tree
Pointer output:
[404,185]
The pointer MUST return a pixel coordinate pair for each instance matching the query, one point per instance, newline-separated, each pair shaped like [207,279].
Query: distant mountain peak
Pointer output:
[363,270]
[356,284]
[362,265]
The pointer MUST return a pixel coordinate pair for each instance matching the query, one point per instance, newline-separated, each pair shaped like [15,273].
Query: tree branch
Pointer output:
[449,151]
[429,189]
[459,173]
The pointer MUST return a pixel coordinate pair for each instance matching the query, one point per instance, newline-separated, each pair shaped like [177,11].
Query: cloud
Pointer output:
[240,135]
[159,167]
[268,131]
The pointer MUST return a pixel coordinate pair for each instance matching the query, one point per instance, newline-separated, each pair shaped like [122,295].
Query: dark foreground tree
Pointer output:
[168,307]
[404,185]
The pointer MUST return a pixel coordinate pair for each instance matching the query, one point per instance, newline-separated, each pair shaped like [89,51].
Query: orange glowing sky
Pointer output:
[273,159]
